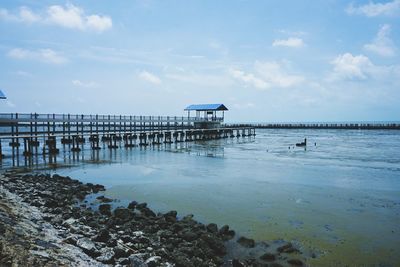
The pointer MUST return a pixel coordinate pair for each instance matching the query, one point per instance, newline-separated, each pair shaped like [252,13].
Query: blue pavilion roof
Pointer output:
[204,107]
[2,96]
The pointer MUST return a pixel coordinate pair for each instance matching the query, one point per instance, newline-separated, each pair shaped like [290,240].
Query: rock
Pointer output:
[123,213]
[85,243]
[171,213]
[268,257]
[224,229]
[170,216]
[189,235]
[50,203]
[246,242]
[237,263]
[153,261]
[88,247]
[288,248]
[181,260]
[141,206]
[120,252]
[71,240]
[147,212]
[188,218]
[136,261]
[295,262]
[105,209]
[132,205]
[107,256]
[212,228]
[123,262]
[103,236]
[215,244]
[98,187]
[104,199]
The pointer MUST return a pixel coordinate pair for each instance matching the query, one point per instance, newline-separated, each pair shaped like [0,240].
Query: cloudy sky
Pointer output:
[283,60]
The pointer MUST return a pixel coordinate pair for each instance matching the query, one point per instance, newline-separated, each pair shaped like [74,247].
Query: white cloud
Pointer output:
[98,23]
[70,16]
[347,66]
[248,78]
[43,55]
[382,44]
[375,9]
[74,17]
[149,77]
[268,75]
[360,67]
[79,83]
[290,42]
[26,15]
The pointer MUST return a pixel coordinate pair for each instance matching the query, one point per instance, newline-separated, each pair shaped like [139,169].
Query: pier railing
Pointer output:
[350,126]
[12,124]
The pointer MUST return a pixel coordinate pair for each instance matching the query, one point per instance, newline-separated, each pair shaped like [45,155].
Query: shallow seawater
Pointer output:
[339,198]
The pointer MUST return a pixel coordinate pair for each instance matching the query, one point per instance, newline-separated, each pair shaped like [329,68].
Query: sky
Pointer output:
[267,61]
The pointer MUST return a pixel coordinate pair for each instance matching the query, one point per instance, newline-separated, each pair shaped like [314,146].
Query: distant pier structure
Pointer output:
[207,115]
[32,134]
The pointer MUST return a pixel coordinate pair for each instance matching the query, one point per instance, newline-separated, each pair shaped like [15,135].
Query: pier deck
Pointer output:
[44,133]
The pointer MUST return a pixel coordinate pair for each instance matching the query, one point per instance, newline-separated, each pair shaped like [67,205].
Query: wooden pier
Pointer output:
[338,126]
[44,133]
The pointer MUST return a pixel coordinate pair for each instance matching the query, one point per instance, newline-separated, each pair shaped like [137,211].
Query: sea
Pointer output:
[338,197]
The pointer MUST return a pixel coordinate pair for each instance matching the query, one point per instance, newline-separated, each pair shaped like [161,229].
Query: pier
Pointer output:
[33,134]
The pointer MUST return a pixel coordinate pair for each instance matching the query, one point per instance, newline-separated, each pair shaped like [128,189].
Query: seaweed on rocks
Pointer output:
[129,236]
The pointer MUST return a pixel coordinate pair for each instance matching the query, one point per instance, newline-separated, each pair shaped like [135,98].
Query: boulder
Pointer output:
[295,262]
[132,205]
[153,261]
[102,236]
[88,247]
[246,242]
[268,257]
[212,228]
[104,199]
[136,261]
[105,209]
[107,256]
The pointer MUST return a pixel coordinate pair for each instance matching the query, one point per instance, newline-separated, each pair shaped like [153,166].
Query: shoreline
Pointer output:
[69,232]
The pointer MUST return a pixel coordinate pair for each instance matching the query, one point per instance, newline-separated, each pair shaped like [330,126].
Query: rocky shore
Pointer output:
[50,221]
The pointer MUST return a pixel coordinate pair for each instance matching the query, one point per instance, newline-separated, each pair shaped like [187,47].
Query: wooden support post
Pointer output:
[52,145]
[27,148]
[75,146]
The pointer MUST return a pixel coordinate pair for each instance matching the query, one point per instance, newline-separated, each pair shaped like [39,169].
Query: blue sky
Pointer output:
[281,60]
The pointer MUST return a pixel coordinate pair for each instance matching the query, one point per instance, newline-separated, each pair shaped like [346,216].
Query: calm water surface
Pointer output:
[340,198]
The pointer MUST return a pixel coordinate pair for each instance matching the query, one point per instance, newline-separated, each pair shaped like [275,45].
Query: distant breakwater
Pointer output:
[344,126]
